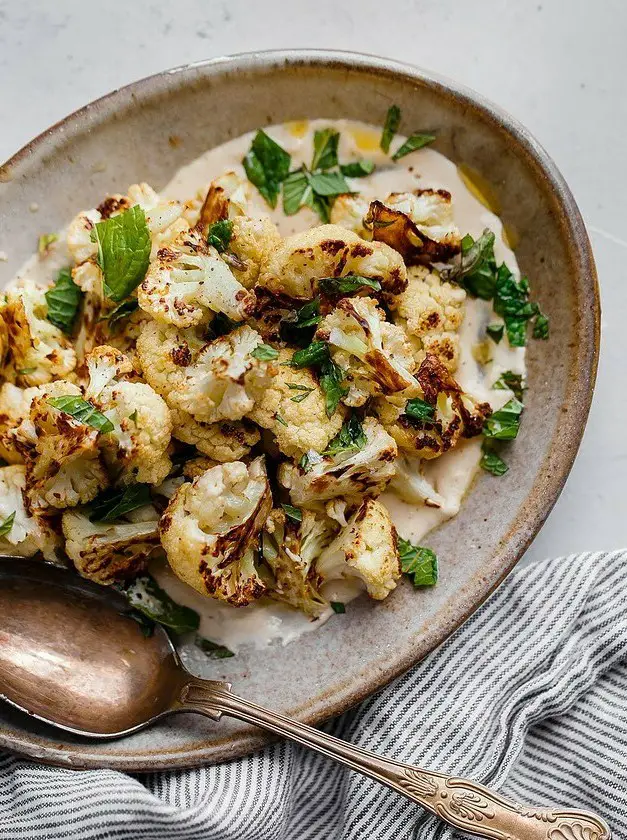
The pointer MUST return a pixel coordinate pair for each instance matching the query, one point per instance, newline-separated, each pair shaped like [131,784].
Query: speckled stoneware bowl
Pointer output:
[126,137]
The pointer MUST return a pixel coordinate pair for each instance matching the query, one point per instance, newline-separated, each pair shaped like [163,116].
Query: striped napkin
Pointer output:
[530,697]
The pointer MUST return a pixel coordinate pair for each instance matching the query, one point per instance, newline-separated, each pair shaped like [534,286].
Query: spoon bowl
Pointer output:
[72,655]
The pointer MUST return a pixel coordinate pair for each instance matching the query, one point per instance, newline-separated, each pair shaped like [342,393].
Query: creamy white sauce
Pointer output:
[451,475]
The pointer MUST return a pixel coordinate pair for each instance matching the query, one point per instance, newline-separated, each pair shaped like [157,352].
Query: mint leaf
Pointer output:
[267,165]
[265,353]
[325,148]
[417,141]
[320,205]
[314,354]
[357,168]
[121,311]
[113,504]
[328,183]
[296,191]
[541,327]
[392,122]
[350,438]
[293,513]
[298,327]
[213,649]
[476,269]
[421,564]
[5,527]
[419,410]
[64,300]
[504,423]
[347,285]
[219,235]
[82,411]
[146,596]
[509,381]
[338,607]
[495,331]
[331,379]
[222,325]
[492,463]
[123,251]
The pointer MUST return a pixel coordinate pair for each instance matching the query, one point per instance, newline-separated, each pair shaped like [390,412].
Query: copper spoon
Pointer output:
[71,656]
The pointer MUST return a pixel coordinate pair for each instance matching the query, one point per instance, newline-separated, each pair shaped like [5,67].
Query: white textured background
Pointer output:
[558,65]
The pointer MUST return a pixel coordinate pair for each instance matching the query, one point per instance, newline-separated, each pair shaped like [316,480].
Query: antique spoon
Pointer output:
[71,656]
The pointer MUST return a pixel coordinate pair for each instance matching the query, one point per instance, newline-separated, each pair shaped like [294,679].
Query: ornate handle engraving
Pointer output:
[462,803]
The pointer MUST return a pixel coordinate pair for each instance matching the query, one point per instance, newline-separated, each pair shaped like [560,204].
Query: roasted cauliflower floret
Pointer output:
[432,213]
[376,354]
[431,312]
[410,484]
[348,212]
[365,550]
[40,351]
[361,468]
[446,413]
[30,532]
[61,453]
[228,197]
[290,550]
[188,281]
[109,552]
[211,527]
[330,251]
[79,236]
[14,406]
[223,442]
[298,424]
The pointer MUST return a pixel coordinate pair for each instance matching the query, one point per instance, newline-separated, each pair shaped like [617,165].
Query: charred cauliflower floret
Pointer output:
[376,354]
[330,251]
[365,550]
[136,449]
[109,552]
[210,531]
[431,312]
[363,467]
[61,453]
[188,281]
[298,424]
[290,550]
[418,225]
[228,197]
[40,351]
[29,533]
[223,442]
[14,406]
[443,416]
[349,211]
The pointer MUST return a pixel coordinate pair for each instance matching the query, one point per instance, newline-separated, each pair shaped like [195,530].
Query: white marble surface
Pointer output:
[556,65]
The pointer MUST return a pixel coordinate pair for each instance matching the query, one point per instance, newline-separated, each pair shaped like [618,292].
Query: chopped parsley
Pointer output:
[82,411]
[417,409]
[267,165]
[350,438]
[265,353]
[213,649]
[219,235]
[390,128]
[5,527]
[123,251]
[418,562]
[504,423]
[338,607]
[113,504]
[416,141]
[347,285]
[293,513]
[64,301]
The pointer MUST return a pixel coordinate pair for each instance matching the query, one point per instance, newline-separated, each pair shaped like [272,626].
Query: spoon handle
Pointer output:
[462,803]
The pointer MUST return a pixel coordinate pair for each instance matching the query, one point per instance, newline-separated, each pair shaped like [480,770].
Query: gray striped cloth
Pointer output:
[530,697]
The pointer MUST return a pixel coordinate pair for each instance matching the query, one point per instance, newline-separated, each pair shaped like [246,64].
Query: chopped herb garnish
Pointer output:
[64,300]
[25,371]
[357,168]
[504,423]
[219,235]
[267,165]
[328,183]
[511,382]
[113,504]
[417,141]
[123,251]
[133,416]
[293,513]
[541,327]
[476,266]
[392,122]
[331,379]
[350,438]
[304,463]
[302,396]
[418,409]
[222,325]
[265,353]
[45,241]
[122,311]
[320,205]
[279,419]
[325,149]
[213,649]
[145,595]
[495,331]
[82,411]
[338,607]
[298,327]
[314,354]
[491,462]
[418,562]
[5,527]
[296,191]
[347,285]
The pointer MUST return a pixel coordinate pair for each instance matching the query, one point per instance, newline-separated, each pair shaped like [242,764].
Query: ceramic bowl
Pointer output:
[146,131]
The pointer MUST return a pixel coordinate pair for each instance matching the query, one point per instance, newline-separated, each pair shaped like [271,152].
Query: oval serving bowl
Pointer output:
[148,130]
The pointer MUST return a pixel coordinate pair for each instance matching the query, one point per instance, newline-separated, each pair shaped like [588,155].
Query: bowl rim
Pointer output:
[533,512]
